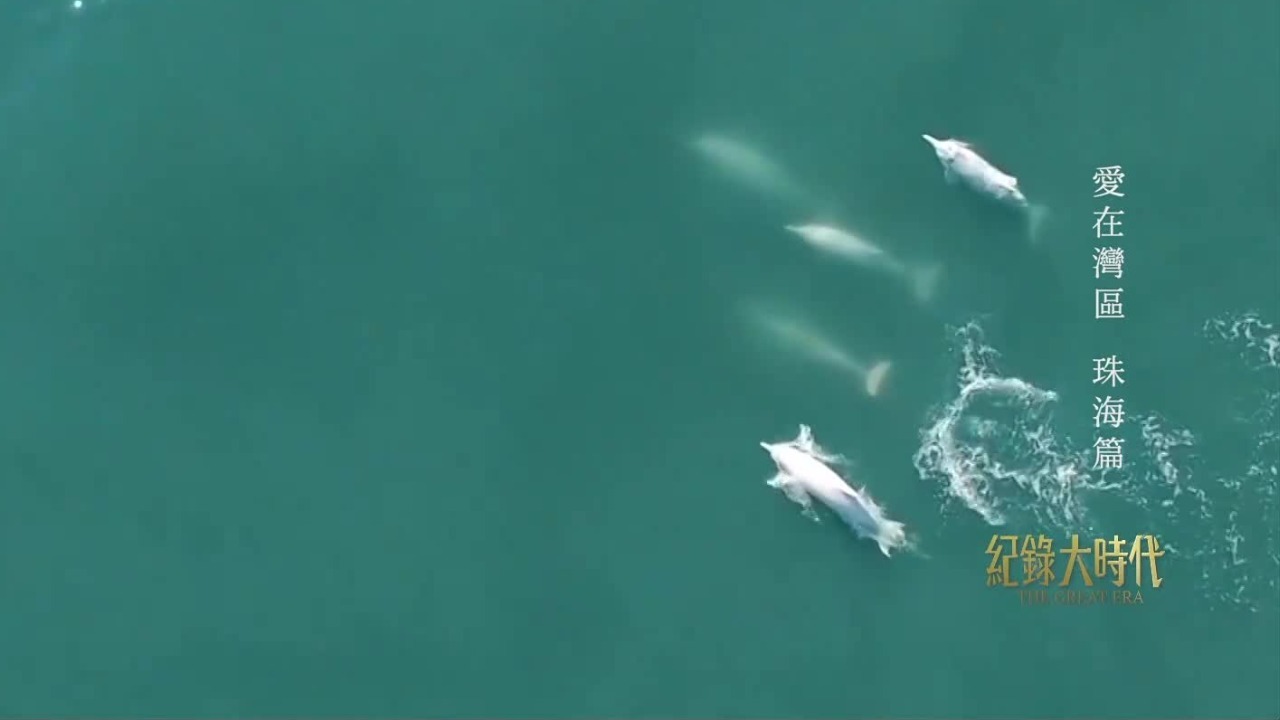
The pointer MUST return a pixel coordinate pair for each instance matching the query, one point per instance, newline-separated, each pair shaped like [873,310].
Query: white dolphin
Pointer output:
[849,246]
[814,346]
[961,163]
[748,165]
[803,474]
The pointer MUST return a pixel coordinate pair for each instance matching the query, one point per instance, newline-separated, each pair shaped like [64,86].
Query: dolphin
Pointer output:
[817,348]
[748,165]
[853,248]
[962,164]
[803,474]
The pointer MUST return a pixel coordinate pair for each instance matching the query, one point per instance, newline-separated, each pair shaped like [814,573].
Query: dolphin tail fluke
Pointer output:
[892,535]
[1036,215]
[924,282]
[876,377]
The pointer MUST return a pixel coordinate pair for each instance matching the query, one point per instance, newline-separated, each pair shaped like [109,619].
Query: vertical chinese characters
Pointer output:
[1109,411]
[1108,304]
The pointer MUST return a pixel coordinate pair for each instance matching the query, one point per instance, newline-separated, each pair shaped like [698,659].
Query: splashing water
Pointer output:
[1244,551]
[1257,341]
[995,450]
[1161,483]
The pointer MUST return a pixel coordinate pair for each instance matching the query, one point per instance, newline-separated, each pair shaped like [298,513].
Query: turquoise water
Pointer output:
[399,360]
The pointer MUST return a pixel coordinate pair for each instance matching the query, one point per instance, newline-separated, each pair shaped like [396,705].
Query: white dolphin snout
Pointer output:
[931,140]
[776,452]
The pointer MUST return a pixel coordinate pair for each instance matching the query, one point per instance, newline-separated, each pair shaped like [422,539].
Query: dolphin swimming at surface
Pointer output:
[853,248]
[811,344]
[962,164]
[803,474]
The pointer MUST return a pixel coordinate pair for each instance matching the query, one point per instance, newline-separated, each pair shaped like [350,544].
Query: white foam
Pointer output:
[1256,340]
[1255,491]
[1225,518]
[994,448]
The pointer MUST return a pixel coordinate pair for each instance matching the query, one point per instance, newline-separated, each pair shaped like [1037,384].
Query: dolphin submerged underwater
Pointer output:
[851,247]
[807,342]
[749,166]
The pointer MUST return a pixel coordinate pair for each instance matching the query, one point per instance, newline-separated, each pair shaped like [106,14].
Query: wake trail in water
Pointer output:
[1225,509]
[1248,557]
[994,449]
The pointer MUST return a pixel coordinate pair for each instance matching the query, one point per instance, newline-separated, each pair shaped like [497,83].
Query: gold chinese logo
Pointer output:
[1031,562]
